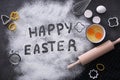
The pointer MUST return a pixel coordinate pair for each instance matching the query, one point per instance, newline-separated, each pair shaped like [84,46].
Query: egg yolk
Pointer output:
[98,35]
[91,31]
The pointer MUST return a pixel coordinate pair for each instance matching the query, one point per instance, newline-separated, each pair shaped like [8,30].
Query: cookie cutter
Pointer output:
[100,67]
[5,19]
[14,15]
[116,21]
[79,27]
[93,76]
[14,59]
[12,26]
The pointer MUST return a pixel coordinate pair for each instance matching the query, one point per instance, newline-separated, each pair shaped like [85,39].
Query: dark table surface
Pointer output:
[110,60]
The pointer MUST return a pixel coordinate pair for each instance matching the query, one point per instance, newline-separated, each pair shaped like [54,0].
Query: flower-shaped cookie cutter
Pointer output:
[14,15]
[95,72]
[79,27]
[113,22]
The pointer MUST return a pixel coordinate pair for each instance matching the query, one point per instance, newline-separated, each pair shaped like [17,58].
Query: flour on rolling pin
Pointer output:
[95,53]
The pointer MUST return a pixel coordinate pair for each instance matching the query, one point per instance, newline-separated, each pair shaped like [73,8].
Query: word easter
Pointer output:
[44,47]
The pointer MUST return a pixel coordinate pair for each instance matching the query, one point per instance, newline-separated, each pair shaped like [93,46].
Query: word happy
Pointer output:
[41,31]
[50,46]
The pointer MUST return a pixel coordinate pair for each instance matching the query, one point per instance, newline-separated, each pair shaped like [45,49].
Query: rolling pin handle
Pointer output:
[73,64]
[116,41]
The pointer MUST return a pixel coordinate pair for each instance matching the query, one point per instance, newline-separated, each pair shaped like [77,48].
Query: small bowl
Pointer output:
[95,33]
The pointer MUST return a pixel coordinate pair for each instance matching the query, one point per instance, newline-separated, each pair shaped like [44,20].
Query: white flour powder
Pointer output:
[51,65]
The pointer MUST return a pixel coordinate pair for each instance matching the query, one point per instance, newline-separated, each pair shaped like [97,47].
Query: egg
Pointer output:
[96,19]
[101,9]
[88,13]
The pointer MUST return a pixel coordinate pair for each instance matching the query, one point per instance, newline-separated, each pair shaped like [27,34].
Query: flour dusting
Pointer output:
[51,65]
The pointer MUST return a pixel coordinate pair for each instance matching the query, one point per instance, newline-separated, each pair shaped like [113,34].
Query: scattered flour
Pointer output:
[49,66]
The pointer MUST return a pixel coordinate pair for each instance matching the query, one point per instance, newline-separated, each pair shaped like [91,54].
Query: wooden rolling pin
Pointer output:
[95,53]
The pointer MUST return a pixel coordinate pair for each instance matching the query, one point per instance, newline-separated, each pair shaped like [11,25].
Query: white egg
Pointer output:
[96,19]
[101,9]
[88,13]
